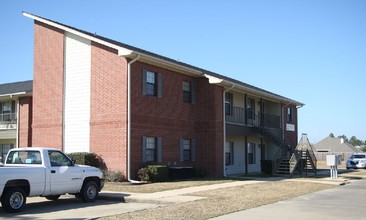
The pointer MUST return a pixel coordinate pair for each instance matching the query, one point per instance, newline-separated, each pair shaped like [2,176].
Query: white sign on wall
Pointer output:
[290,127]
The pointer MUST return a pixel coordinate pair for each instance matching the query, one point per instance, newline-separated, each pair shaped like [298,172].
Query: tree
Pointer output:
[331,135]
[355,142]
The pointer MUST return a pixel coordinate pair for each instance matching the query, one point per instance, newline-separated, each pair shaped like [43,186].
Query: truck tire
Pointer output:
[89,191]
[13,200]
[53,197]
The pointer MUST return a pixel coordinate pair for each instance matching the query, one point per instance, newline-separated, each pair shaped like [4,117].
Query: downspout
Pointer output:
[224,121]
[129,120]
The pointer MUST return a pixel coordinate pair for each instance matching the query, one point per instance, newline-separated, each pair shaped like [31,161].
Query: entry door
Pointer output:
[64,176]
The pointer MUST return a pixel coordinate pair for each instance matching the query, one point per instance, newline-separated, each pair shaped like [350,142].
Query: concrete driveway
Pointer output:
[343,202]
[68,207]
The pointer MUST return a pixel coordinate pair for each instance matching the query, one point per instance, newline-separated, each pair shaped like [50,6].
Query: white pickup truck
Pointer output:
[46,172]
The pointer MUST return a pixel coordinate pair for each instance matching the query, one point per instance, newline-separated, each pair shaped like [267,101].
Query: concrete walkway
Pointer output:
[345,202]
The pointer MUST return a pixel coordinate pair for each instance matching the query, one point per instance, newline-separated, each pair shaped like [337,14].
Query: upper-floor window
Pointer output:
[228,103]
[187,150]
[151,83]
[251,108]
[187,92]
[289,115]
[151,149]
[7,111]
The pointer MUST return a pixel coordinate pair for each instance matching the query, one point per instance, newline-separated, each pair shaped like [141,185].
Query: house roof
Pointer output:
[336,145]
[16,88]
[150,57]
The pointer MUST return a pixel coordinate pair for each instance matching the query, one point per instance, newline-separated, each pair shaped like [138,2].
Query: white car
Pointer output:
[356,161]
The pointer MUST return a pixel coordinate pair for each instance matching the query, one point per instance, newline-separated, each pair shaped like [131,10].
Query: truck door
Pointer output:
[64,176]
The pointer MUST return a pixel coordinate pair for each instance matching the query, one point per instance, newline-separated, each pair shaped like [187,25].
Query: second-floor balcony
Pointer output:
[8,118]
[247,117]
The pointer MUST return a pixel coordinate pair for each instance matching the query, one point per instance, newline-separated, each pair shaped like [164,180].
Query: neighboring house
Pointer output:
[15,116]
[338,146]
[134,107]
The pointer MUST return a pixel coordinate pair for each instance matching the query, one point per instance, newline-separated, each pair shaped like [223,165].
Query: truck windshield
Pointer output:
[24,157]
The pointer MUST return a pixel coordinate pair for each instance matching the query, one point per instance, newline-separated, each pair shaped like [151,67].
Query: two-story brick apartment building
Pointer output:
[134,107]
[15,116]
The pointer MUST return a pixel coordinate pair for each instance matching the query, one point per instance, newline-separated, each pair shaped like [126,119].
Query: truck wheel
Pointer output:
[14,200]
[53,197]
[89,192]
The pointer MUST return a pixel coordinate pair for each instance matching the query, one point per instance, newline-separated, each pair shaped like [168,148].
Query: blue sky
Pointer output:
[313,51]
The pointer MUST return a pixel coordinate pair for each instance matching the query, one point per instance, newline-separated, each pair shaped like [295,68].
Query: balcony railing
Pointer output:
[8,118]
[244,116]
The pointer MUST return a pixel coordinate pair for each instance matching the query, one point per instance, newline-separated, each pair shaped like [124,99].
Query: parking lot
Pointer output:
[68,207]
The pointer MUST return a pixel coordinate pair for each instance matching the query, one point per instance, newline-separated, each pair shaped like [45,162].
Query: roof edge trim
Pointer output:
[121,51]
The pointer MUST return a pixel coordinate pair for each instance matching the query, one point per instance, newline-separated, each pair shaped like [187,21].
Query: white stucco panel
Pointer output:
[77,94]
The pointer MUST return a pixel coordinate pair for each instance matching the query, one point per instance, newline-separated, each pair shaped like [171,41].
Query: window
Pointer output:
[151,83]
[7,111]
[4,149]
[187,150]
[151,149]
[251,153]
[187,91]
[251,108]
[289,114]
[24,157]
[228,103]
[229,153]
[59,159]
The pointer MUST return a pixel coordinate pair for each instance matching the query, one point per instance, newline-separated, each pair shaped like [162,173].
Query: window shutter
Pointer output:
[144,81]
[160,149]
[160,85]
[143,154]
[193,93]
[232,153]
[181,155]
[1,107]
[193,149]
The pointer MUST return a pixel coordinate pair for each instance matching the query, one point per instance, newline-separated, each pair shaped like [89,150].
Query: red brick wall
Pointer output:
[48,86]
[172,119]
[108,107]
[25,122]
[291,136]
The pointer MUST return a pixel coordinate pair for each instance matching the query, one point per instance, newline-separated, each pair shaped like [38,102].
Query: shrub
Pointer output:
[90,159]
[143,174]
[157,173]
[114,176]
[153,173]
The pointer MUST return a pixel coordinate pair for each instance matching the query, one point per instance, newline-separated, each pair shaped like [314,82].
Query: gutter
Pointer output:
[129,120]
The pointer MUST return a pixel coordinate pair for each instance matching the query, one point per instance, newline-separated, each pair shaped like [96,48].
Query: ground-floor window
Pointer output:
[187,150]
[251,153]
[229,153]
[151,149]
[4,149]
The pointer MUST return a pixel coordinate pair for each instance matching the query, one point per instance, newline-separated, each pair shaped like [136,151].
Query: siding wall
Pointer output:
[77,94]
